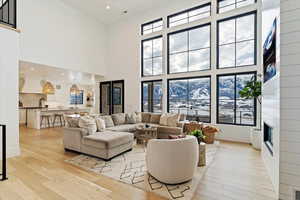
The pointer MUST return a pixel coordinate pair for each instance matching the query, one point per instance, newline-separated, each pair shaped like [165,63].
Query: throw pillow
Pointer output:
[176,136]
[108,121]
[72,122]
[146,117]
[155,118]
[100,124]
[138,117]
[119,118]
[89,123]
[131,118]
[173,119]
[164,119]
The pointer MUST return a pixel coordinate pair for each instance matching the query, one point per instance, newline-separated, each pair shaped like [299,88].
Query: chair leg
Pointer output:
[60,121]
[48,122]
[53,123]
[41,123]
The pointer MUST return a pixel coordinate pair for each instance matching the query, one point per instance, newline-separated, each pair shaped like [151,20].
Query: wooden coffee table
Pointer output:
[144,134]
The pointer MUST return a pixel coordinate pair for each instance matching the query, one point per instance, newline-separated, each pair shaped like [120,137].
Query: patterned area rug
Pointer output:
[130,168]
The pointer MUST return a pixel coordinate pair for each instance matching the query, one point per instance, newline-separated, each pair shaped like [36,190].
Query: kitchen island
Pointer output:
[34,116]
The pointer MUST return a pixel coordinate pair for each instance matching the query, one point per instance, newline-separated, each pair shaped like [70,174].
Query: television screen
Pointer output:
[270,54]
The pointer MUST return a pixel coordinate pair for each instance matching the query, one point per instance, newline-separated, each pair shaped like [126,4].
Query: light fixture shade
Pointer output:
[48,88]
[74,89]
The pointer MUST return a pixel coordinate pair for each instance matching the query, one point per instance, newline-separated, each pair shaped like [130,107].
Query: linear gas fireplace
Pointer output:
[268,137]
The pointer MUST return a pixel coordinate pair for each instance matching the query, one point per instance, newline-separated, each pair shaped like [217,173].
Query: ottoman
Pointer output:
[108,144]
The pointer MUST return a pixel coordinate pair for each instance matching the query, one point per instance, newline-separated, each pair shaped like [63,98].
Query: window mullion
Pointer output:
[235,96]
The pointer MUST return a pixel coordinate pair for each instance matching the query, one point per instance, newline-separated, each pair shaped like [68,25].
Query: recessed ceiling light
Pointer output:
[125,11]
[107,7]
[32,68]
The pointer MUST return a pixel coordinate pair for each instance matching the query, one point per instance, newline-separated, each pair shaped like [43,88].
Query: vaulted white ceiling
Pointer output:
[97,8]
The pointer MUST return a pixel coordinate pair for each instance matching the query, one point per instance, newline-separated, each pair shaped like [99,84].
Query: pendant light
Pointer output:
[48,88]
[74,89]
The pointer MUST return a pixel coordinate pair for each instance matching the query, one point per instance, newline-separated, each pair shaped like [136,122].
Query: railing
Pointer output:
[3,174]
[8,12]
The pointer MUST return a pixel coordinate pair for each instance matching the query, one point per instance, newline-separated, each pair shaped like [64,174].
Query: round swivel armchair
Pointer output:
[172,161]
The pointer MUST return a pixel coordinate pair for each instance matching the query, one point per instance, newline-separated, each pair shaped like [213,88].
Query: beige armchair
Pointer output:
[172,161]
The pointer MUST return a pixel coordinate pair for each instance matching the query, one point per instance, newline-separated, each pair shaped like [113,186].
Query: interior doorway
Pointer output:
[112,97]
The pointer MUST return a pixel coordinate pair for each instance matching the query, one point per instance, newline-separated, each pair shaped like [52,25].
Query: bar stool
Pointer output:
[46,117]
[61,118]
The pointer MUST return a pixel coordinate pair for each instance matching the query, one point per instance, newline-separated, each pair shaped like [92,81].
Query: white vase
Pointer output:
[256,138]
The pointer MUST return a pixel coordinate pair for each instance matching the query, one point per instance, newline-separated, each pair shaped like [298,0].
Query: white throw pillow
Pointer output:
[89,123]
[164,119]
[173,119]
[100,124]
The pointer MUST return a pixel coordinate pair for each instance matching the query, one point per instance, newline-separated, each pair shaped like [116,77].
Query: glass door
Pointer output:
[117,97]
[105,98]
[112,97]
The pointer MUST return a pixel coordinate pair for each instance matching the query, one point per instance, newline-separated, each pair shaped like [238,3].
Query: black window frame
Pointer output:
[235,5]
[142,94]
[9,22]
[152,22]
[186,30]
[255,39]
[187,11]
[235,100]
[78,98]
[142,56]
[190,78]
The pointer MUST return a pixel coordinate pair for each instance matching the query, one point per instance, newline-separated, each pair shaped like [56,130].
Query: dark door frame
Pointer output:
[111,95]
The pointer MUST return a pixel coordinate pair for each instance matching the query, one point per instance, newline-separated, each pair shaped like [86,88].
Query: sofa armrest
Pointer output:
[165,131]
[82,131]
[72,138]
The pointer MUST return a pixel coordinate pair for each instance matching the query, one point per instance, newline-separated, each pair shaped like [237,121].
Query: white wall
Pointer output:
[290,99]
[271,95]
[9,55]
[124,59]
[58,35]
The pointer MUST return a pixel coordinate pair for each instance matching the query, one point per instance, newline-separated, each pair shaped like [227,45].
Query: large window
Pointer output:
[152,56]
[153,26]
[189,15]
[152,96]
[76,98]
[191,97]
[227,5]
[189,50]
[232,109]
[237,41]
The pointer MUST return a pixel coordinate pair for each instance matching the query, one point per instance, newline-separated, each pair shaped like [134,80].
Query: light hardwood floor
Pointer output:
[237,173]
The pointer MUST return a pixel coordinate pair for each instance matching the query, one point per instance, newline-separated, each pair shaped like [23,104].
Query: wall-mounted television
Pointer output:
[270,69]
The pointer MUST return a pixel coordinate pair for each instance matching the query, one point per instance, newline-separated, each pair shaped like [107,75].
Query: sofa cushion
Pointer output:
[164,119]
[108,121]
[155,118]
[107,139]
[173,119]
[88,123]
[100,124]
[123,128]
[146,117]
[72,122]
[131,118]
[118,118]
[138,117]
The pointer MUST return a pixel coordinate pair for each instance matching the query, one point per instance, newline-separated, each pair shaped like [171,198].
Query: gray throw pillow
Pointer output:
[131,118]
[119,118]
[108,121]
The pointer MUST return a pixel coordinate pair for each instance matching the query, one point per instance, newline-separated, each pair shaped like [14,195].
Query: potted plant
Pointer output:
[253,90]
[199,135]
